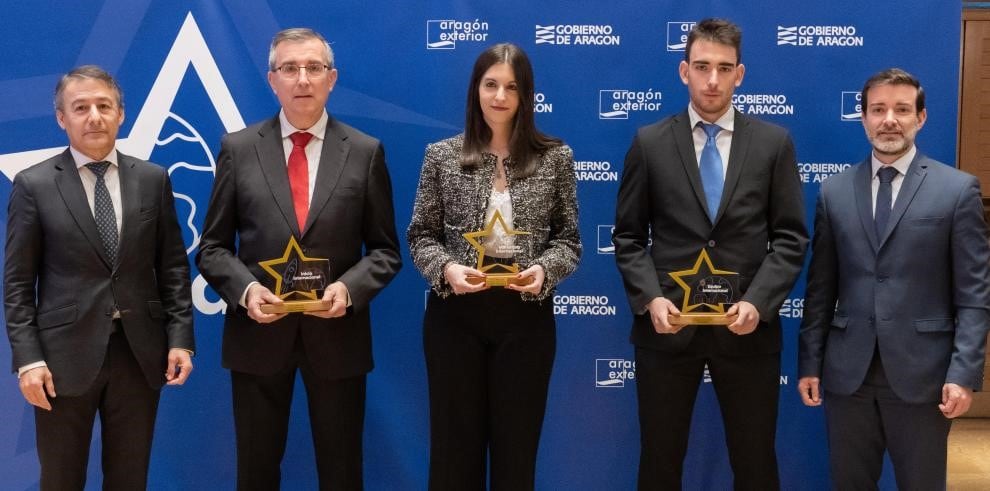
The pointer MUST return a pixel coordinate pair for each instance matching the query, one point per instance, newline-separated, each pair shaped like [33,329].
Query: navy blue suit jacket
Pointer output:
[920,291]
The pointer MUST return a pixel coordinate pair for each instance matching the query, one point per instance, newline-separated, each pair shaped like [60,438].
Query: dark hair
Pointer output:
[894,76]
[719,31]
[526,143]
[83,72]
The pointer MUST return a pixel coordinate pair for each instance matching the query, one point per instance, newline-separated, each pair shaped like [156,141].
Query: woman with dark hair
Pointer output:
[490,349]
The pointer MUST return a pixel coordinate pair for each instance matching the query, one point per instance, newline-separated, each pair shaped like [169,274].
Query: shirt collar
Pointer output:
[900,164]
[727,120]
[82,160]
[318,129]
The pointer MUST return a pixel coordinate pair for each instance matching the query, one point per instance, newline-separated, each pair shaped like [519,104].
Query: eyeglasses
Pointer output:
[313,70]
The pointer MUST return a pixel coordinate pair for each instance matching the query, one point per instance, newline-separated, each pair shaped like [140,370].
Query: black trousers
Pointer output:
[488,359]
[127,406]
[872,420]
[261,423]
[748,391]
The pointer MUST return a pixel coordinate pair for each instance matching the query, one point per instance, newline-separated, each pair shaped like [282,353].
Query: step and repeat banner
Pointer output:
[194,70]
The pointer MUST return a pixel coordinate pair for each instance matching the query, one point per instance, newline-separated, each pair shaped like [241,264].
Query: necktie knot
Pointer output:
[711,130]
[98,168]
[300,138]
[886,174]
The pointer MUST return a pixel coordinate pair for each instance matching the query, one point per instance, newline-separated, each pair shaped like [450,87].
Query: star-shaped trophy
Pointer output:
[500,270]
[707,293]
[299,280]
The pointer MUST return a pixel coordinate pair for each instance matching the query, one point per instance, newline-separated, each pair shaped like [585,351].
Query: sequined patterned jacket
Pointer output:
[451,201]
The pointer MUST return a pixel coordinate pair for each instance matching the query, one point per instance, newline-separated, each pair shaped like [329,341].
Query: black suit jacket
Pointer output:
[759,231]
[60,290]
[250,218]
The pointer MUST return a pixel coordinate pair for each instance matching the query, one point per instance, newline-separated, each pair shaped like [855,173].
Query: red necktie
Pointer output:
[299,176]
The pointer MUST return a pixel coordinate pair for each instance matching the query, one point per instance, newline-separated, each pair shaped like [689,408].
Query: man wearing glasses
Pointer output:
[307,176]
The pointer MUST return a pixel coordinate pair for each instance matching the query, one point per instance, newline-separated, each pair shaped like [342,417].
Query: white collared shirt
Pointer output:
[901,165]
[314,149]
[723,141]
[111,178]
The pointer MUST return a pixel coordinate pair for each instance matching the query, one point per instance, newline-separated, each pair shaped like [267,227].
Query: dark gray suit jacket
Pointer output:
[60,290]
[250,218]
[921,291]
[759,231]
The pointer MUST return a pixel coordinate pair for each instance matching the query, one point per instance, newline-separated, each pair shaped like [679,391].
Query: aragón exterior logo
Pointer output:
[444,34]
[618,103]
[614,372]
[157,126]
[852,106]
[677,34]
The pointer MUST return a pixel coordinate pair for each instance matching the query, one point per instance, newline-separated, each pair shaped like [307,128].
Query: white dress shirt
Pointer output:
[723,141]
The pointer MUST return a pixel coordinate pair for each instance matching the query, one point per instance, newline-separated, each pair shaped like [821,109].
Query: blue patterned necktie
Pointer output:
[106,220]
[885,195]
[711,169]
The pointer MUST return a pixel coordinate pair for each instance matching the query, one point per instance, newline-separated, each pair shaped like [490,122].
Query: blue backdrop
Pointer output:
[193,70]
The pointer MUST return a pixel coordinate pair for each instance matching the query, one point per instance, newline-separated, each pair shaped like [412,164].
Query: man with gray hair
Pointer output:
[92,220]
[301,175]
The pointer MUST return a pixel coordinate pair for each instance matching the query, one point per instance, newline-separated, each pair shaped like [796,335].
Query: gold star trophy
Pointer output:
[498,271]
[299,280]
[707,293]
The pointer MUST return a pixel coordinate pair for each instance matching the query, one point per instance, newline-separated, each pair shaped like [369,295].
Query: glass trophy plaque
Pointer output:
[299,281]
[499,264]
[708,293]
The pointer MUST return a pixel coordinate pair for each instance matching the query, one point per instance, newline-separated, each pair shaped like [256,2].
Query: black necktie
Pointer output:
[106,220]
[884,199]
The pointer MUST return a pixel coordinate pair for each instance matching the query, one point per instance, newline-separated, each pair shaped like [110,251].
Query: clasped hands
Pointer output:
[457,276]
[257,295]
[660,310]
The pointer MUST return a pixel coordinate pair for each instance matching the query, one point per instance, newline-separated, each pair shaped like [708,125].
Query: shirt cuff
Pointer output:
[243,301]
[30,366]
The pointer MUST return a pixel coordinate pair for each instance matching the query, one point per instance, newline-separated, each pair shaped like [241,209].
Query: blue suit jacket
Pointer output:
[920,291]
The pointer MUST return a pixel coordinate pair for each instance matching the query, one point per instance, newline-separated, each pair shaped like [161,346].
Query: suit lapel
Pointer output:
[130,198]
[332,160]
[74,196]
[271,157]
[909,187]
[741,136]
[864,201]
[685,147]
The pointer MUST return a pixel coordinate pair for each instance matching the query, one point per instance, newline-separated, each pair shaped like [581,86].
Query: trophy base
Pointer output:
[296,306]
[701,319]
[500,279]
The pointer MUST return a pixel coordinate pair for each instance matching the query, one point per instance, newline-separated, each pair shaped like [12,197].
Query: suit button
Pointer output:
[711,243]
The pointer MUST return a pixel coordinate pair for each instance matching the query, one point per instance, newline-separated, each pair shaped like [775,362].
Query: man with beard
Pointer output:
[895,319]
